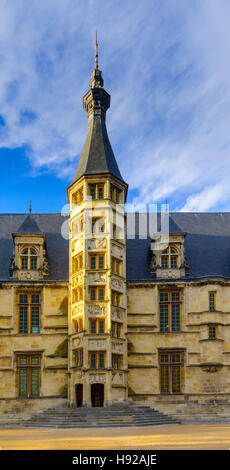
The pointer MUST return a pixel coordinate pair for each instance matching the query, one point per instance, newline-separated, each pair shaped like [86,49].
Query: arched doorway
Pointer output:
[97,394]
[79,395]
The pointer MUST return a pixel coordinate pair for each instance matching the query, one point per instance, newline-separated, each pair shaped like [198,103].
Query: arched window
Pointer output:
[169,258]
[29,259]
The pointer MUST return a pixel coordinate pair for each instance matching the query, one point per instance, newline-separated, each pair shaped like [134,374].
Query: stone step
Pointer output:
[115,416]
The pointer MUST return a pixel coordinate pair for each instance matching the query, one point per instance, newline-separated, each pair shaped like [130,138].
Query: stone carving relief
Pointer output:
[117,347]
[211,368]
[28,275]
[117,251]
[77,245]
[116,284]
[97,378]
[96,309]
[118,379]
[96,344]
[77,311]
[117,314]
[96,278]
[96,243]
[153,263]
[77,342]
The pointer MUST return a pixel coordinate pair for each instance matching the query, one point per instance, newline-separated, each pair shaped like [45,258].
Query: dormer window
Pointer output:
[29,259]
[169,258]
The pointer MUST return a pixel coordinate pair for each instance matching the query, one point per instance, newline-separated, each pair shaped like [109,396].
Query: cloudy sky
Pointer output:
[166,65]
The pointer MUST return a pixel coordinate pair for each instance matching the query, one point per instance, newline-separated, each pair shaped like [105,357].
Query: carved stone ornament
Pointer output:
[117,347]
[96,243]
[117,314]
[96,309]
[96,344]
[96,378]
[97,277]
[45,267]
[118,379]
[184,260]
[153,263]
[211,368]
[13,267]
[116,284]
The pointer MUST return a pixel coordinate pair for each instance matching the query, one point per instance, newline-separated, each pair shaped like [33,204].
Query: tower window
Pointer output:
[96,191]
[97,261]
[97,293]
[116,330]
[116,298]
[97,360]
[212,332]
[117,266]
[212,301]
[116,361]
[115,194]
[79,357]
[97,326]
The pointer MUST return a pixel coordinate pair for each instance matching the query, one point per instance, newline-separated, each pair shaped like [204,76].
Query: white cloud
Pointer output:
[166,66]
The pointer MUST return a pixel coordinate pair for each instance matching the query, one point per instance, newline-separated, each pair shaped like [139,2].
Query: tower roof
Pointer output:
[97,156]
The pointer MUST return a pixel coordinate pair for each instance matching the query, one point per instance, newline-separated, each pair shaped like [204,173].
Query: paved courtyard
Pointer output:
[203,436]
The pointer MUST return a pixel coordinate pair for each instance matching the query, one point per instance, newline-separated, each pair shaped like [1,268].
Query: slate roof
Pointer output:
[29,226]
[207,245]
[57,246]
[97,155]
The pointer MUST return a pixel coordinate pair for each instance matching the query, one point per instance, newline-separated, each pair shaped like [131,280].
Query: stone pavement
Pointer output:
[190,436]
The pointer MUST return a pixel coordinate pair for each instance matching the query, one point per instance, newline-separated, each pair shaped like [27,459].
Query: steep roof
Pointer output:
[207,245]
[97,155]
[29,226]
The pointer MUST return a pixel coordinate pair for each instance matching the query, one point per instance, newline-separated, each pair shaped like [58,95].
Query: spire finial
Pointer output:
[96,51]
[30,208]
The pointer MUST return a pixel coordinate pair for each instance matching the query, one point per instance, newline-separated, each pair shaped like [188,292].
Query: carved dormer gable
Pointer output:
[168,259]
[29,261]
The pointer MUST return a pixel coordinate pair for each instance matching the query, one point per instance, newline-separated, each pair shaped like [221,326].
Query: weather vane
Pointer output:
[30,208]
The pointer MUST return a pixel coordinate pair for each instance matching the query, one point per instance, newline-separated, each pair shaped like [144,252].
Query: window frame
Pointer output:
[28,367]
[167,370]
[29,313]
[170,303]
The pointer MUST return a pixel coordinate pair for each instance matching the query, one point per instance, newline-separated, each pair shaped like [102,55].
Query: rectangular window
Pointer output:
[97,360]
[28,368]
[97,261]
[24,264]
[78,324]
[116,330]
[171,364]
[115,194]
[116,361]
[33,263]
[212,301]
[116,299]
[29,313]
[97,326]
[96,191]
[117,266]
[212,332]
[170,311]
[97,293]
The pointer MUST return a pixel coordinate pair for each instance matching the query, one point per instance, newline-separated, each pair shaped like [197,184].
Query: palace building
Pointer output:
[129,308]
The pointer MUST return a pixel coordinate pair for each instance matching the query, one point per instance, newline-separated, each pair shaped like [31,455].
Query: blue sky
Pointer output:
[165,64]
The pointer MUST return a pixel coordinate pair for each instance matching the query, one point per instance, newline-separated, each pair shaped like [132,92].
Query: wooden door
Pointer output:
[97,394]
[79,395]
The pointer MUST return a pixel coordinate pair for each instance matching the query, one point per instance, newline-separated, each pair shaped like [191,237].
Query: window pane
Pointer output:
[101,326]
[23,299]
[23,320]
[101,262]
[101,360]
[35,299]
[164,262]
[175,317]
[100,193]
[33,264]
[101,294]
[93,294]
[22,382]
[34,382]
[173,261]
[176,381]
[175,296]
[93,326]
[164,317]
[34,319]
[93,361]
[164,379]
[164,297]
[24,263]
[93,262]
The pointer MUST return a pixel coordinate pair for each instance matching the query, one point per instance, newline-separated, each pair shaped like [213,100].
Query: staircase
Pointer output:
[111,417]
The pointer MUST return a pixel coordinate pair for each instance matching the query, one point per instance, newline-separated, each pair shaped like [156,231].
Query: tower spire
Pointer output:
[96,75]
[96,51]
